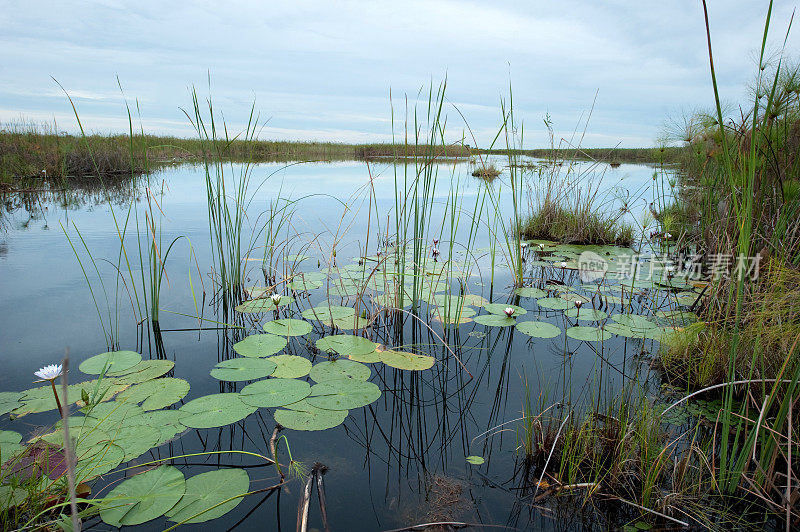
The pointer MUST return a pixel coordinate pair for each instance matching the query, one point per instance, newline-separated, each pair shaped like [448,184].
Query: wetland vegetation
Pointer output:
[546,348]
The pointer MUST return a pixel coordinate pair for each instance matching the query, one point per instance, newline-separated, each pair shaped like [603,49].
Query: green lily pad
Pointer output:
[555,303]
[256,306]
[494,320]
[530,291]
[500,309]
[588,334]
[306,417]
[114,361]
[287,327]
[8,402]
[260,345]
[538,329]
[327,313]
[270,393]
[143,497]
[346,344]
[586,314]
[407,361]
[290,366]
[243,369]
[339,369]
[475,300]
[634,321]
[475,460]
[135,440]
[156,394]
[620,330]
[9,444]
[208,495]
[167,422]
[144,371]
[343,394]
[350,323]
[215,410]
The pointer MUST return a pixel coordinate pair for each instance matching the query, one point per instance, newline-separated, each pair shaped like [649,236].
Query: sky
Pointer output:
[322,70]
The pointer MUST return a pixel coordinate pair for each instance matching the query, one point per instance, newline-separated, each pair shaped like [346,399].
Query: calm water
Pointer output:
[389,463]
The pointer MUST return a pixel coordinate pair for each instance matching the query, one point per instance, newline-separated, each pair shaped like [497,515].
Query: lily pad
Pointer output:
[634,321]
[215,410]
[588,334]
[114,361]
[339,369]
[8,402]
[303,416]
[475,460]
[144,371]
[327,313]
[290,366]
[555,303]
[260,345]
[500,309]
[243,369]
[621,330]
[143,497]
[270,393]
[208,495]
[156,394]
[9,444]
[287,327]
[530,291]
[538,329]
[256,306]
[346,345]
[586,314]
[407,361]
[494,320]
[343,394]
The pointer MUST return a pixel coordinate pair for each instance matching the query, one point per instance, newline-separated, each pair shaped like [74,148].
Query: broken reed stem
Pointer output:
[273,448]
[305,501]
[319,471]
[68,455]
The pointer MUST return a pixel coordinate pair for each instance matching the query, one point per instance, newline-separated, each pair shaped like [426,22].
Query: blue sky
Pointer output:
[324,70]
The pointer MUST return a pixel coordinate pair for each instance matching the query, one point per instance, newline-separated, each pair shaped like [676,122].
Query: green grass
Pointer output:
[582,225]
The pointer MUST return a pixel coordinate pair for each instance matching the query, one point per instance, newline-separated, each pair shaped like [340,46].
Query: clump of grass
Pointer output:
[486,172]
[581,224]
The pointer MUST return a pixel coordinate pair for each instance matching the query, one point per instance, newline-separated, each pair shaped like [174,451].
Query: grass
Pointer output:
[581,225]
[486,172]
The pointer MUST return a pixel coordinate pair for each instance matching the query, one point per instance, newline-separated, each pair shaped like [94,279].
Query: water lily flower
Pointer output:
[578,303]
[276,299]
[523,245]
[563,264]
[509,311]
[51,373]
[541,246]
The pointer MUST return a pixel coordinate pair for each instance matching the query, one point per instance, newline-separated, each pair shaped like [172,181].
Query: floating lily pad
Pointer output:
[475,460]
[500,309]
[346,345]
[135,440]
[144,371]
[530,291]
[350,323]
[167,422]
[216,410]
[290,366]
[586,314]
[265,304]
[621,330]
[156,394]
[260,345]
[634,321]
[475,300]
[113,361]
[9,444]
[407,361]
[270,393]
[588,334]
[327,313]
[143,497]
[208,495]
[243,369]
[304,416]
[8,402]
[555,303]
[339,369]
[287,327]
[538,329]
[494,320]
[343,394]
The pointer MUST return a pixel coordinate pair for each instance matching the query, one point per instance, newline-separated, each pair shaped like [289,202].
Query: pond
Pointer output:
[401,459]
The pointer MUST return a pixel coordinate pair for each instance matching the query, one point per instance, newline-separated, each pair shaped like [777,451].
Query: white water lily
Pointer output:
[48,373]
[523,245]
[276,299]
[509,311]
[541,246]
[563,264]
[578,303]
